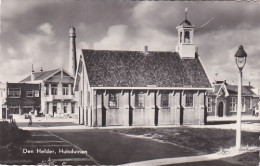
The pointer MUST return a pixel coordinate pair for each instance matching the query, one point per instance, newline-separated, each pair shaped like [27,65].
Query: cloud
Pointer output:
[45,28]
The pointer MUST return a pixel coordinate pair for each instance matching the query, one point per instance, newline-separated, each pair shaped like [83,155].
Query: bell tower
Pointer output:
[185,46]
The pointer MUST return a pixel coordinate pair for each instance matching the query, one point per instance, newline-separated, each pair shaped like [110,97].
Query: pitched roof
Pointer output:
[233,89]
[137,69]
[186,23]
[40,75]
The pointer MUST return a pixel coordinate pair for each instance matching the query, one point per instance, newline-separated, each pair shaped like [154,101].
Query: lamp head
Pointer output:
[240,57]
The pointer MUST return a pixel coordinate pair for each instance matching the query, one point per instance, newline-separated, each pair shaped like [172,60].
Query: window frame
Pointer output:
[32,92]
[11,93]
[209,104]
[165,103]
[139,100]
[54,89]
[115,97]
[65,89]
[188,96]
[233,104]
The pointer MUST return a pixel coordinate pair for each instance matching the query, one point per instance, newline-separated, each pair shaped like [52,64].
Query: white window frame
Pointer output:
[139,99]
[186,99]
[243,104]
[209,103]
[28,92]
[113,100]
[14,93]
[233,104]
[166,94]
[65,89]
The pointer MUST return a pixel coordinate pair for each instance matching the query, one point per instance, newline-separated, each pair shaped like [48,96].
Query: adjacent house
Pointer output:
[57,97]
[18,99]
[222,101]
[137,88]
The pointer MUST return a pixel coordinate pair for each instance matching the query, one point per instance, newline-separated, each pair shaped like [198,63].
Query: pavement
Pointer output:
[108,147]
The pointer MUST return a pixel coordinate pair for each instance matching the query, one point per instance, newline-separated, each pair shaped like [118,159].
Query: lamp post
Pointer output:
[240,57]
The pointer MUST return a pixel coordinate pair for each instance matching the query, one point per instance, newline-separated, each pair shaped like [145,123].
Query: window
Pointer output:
[209,104]
[46,86]
[14,109]
[251,103]
[187,36]
[72,108]
[139,99]
[65,105]
[189,99]
[65,89]
[165,100]
[113,100]
[27,109]
[233,104]
[243,104]
[29,93]
[14,93]
[54,89]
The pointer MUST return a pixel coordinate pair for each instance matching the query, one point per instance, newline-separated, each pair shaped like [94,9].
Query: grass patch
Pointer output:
[203,140]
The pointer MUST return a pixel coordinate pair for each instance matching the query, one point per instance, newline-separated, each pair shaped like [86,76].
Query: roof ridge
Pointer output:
[126,50]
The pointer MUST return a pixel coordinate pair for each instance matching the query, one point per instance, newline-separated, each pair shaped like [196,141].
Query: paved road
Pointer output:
[108,147]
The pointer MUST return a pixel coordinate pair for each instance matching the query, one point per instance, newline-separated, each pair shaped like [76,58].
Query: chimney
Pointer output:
[146,50]
[32,74]
[249,83]
[41,69]
[72,51]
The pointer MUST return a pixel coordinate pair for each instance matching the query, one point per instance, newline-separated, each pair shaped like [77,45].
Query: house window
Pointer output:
[65,89]
[209,104]
[46,86]
[72,108]
[14,93]
[243,104]
[29,93]
[65,105]
[233,104]
[189,99]
[165,100]
[27,109]
[14,109]
[251,103]
[54,89]
[139,99]
[113,100]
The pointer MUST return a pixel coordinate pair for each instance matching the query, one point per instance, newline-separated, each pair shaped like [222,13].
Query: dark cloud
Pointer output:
[126,25]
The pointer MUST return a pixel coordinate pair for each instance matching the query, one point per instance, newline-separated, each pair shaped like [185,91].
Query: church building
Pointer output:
[143,88]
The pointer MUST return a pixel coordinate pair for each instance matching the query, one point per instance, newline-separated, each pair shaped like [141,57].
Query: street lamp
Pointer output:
[240,61]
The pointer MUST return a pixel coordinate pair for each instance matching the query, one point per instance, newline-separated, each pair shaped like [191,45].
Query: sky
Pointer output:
[37,32]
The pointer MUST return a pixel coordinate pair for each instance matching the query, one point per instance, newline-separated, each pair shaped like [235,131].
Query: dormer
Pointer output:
[185,46]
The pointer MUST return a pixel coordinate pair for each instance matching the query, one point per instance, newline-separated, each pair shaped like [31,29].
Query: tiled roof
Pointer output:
[246,90]
[40,75]
[232,89]
[137,69]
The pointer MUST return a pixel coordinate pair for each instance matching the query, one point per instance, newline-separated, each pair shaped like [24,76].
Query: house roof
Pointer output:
[232,89]
[40,75]
[138,69]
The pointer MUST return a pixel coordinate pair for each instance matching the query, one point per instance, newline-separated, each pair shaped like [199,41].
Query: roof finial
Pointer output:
[186,13]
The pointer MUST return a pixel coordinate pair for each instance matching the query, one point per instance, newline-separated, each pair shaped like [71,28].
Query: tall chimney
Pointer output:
[32,74]
[72,51]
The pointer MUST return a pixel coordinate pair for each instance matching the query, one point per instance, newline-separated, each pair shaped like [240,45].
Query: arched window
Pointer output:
[187,37]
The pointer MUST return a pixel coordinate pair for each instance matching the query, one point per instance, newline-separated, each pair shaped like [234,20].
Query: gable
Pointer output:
[61,76]
[136,69]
